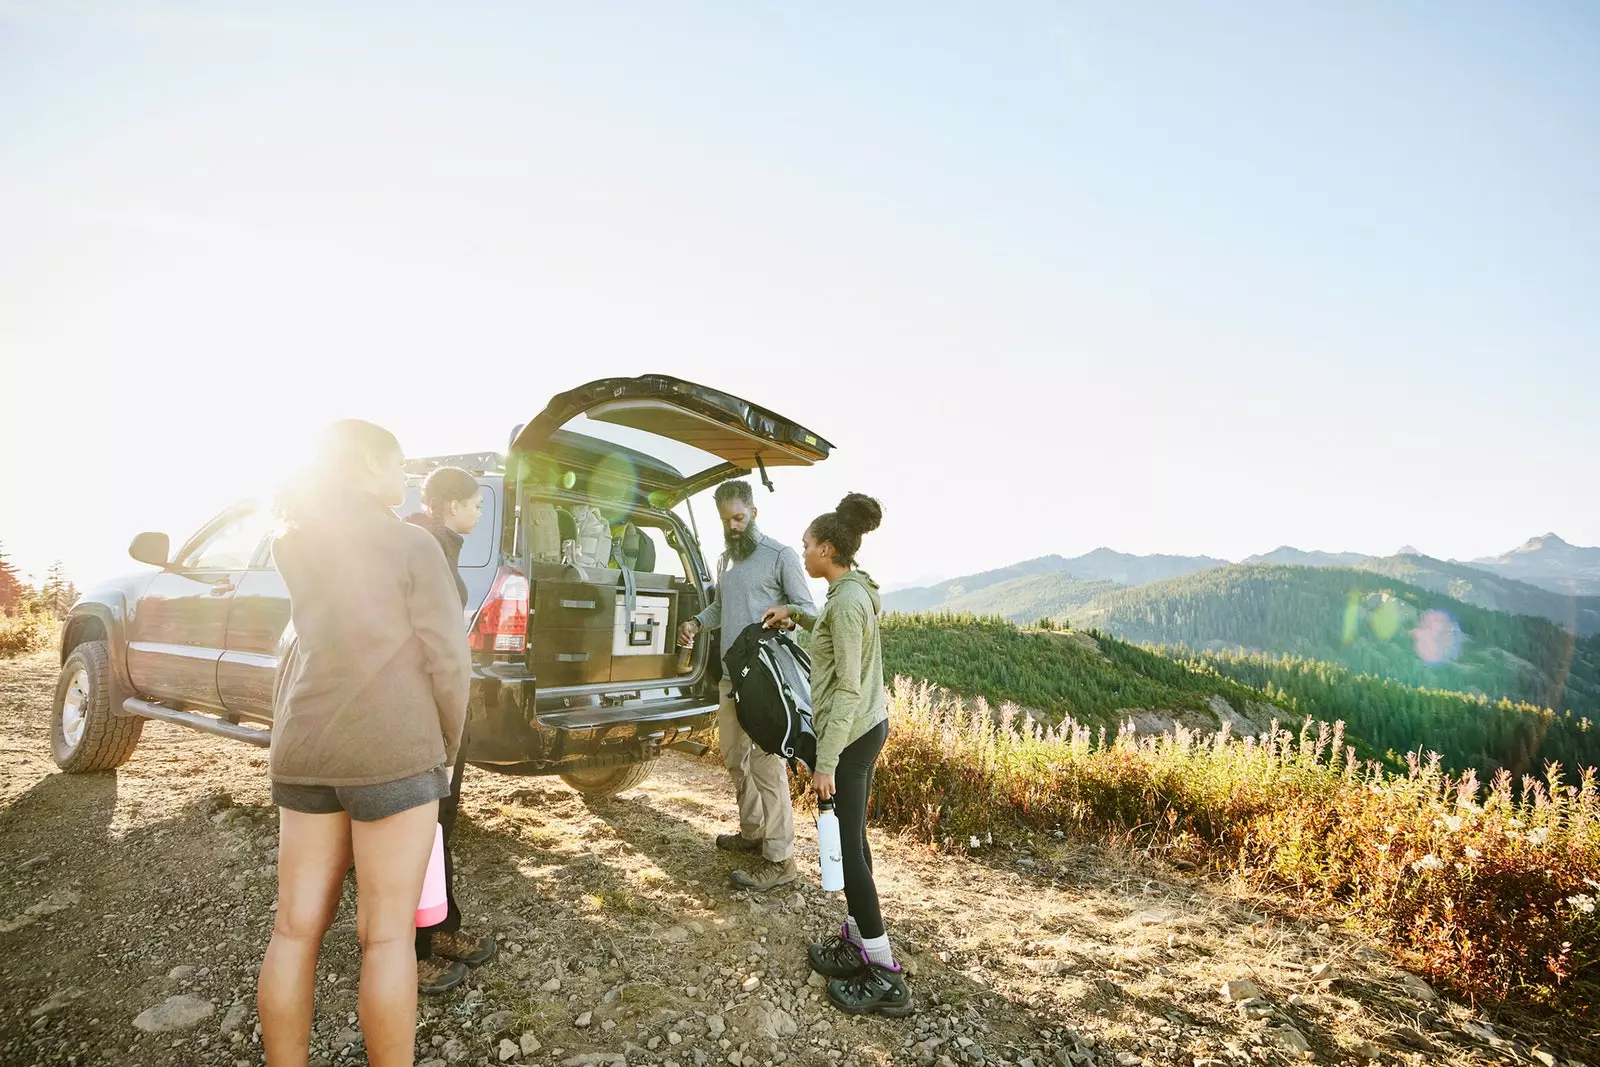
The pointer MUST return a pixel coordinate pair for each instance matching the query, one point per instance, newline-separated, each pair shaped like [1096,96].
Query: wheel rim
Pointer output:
[73,714]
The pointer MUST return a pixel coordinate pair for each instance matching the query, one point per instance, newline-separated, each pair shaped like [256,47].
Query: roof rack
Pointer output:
[472,462]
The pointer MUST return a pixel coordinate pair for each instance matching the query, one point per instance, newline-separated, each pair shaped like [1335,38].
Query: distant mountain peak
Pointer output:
[1297,557]
[1552,563]
[1409,550]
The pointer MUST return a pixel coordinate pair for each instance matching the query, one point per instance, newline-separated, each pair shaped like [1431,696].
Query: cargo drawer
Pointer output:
[571,657]
[574,606]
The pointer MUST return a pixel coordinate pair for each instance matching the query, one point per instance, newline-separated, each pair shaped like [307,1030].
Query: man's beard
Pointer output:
[741,544]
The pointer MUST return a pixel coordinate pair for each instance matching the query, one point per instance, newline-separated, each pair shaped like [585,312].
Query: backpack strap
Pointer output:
[630,581]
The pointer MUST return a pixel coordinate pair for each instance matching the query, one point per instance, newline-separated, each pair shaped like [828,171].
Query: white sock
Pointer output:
[878,950]
[854,927]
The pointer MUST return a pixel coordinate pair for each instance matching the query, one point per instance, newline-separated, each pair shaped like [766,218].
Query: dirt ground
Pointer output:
[621,941]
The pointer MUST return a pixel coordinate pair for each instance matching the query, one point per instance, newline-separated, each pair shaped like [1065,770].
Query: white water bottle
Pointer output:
[828,847]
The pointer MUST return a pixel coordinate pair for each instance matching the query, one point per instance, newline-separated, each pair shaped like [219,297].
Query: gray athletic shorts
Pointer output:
[365,803]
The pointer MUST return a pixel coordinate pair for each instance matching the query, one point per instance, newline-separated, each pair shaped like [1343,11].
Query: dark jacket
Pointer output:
[376,686]
[448,540]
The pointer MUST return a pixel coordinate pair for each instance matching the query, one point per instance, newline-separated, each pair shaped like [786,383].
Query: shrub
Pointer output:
[24,633]
[1490,891]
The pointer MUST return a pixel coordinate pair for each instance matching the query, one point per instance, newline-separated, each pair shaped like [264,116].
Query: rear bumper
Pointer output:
[508,733]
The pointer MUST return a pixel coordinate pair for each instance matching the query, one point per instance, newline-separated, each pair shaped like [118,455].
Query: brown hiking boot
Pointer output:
[435,975]
[767,875]
[738,843]
[472,951]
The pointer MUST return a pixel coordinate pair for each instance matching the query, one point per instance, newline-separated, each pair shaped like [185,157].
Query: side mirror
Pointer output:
[152,548]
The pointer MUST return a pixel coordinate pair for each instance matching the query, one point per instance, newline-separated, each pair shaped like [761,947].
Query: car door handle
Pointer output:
[222,588]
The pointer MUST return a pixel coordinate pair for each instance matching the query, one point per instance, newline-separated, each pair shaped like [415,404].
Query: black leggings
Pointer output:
[853,785]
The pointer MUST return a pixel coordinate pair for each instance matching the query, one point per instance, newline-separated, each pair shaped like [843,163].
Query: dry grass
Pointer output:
[1489,890]
[26,632]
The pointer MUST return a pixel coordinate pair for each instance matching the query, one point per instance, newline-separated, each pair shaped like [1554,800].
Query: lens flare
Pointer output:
[1352,618]
[1436,637]
[614,485]
[1385,620]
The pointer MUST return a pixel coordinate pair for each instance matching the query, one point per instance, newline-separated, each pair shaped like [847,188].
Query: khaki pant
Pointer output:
[766,813]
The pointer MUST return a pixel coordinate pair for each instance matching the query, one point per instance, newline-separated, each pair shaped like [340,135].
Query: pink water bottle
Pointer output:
[434,906]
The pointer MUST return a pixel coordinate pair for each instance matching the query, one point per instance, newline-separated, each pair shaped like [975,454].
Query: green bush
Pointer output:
[24,633]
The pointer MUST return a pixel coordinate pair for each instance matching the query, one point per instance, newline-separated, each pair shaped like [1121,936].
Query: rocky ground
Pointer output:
[135,906]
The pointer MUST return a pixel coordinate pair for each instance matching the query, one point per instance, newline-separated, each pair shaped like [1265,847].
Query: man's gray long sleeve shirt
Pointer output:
[770,576]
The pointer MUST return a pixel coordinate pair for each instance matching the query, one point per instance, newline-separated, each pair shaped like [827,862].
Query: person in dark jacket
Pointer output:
[366,725]
[452,503]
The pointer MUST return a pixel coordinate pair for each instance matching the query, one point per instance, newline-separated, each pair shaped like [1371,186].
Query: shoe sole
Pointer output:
[893,1011]
[436,990]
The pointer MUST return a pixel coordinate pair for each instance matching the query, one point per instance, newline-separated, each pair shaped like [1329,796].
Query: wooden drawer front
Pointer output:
[574,606]
[571,657]
[644,668]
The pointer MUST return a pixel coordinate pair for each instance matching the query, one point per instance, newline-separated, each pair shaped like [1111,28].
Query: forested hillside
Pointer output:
[1366,622]
[1486,589]
[1098,680]
[1469,733]
[1056,674]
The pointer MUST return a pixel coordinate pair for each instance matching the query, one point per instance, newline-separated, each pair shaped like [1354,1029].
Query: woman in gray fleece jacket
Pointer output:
[366,725]
[851,719]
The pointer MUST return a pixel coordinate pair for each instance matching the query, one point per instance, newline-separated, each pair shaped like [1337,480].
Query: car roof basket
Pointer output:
[472,462]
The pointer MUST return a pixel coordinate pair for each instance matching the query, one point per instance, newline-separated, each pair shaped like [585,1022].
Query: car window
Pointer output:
[667,559]
[231,546]
[477,548]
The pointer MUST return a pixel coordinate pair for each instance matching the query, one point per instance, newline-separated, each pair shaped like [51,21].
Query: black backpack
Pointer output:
[771,679]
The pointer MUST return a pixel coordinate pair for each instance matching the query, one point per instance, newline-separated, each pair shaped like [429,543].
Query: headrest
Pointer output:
[636,549]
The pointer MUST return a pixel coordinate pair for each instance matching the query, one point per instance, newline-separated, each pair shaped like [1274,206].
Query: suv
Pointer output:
[585,561]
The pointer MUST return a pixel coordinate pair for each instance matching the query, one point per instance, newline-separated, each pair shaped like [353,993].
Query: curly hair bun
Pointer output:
[860,513]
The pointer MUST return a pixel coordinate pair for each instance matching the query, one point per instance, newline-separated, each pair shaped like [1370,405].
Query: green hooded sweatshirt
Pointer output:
[847,696]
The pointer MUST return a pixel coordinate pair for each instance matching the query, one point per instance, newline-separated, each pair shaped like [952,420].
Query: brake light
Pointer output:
[502,624]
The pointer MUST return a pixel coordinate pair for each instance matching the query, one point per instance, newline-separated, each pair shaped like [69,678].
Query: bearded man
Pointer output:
[757,573]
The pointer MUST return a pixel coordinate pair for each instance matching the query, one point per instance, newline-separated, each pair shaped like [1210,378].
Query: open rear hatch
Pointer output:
[598,459]
[723,436]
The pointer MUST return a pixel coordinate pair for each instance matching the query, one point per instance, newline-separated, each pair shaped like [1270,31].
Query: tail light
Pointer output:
[502,624]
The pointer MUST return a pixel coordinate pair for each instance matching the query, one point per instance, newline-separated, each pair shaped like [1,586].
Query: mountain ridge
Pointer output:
[1551,563]
[1049,586]
[1101,564]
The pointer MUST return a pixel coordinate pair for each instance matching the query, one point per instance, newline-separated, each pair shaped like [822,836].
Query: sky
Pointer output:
[1050,276]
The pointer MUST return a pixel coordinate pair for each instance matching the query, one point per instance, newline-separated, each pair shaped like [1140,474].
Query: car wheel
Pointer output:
[84,735]
[609,781]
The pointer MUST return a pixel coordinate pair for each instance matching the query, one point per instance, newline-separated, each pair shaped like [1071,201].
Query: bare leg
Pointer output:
[391,858]
[313,855]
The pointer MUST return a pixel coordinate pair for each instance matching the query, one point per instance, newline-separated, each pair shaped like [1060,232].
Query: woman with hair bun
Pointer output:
[851,718]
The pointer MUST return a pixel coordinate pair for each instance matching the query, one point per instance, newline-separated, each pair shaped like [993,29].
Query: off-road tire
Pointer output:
[107,739]
[609,781]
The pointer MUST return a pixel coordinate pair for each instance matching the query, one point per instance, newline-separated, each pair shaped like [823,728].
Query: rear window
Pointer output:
[477,549]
